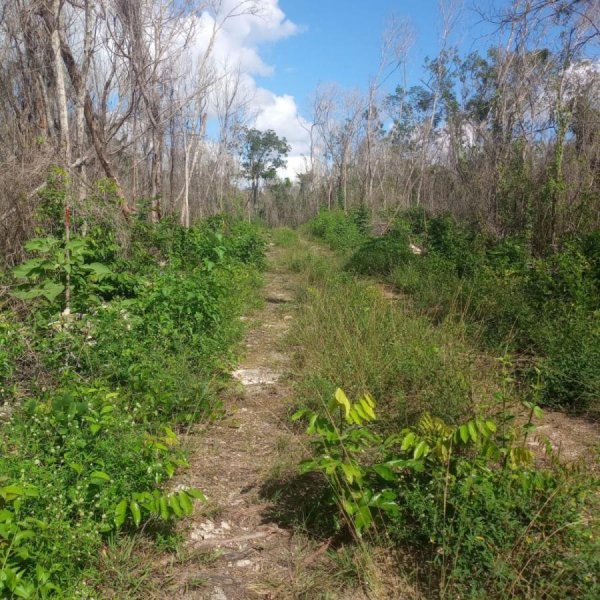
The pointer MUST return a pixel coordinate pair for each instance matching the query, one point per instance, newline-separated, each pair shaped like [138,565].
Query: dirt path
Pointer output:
[234,550]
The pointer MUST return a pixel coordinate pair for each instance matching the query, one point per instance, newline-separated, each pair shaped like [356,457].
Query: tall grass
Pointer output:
[546,308]
[348,334]
[460,502]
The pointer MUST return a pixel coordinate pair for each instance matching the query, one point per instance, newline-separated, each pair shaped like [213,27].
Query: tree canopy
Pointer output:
[263,152]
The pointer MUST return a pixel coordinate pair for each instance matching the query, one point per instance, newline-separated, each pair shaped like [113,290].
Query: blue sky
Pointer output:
[283,54]
[339,41]
[295,45]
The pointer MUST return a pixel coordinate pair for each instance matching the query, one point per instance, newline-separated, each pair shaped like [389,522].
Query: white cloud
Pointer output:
[237,46]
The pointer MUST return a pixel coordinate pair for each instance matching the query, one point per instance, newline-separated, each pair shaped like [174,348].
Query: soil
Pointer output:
[237,546]
[234,547]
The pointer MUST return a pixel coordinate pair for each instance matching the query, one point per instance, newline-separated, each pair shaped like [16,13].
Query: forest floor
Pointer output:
[241,545]
[234,547]
[237,550]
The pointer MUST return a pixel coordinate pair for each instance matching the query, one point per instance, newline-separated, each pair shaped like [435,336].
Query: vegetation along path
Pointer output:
[240,552]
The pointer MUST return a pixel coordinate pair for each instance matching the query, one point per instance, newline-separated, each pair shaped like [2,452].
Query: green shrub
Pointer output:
[381,255]
[569,358]
[544,308]
[11,348]
[337,229]
[468,502]
[361,217]
[87,454]
[83,452]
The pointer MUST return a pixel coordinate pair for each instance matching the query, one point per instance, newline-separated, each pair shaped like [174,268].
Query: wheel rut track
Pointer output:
[235,552]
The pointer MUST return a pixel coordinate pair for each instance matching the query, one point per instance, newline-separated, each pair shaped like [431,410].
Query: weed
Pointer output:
[469,498]
[86,455]
[285,237]
[346,331]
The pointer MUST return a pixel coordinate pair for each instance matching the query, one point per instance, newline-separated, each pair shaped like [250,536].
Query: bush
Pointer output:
[468,502]
[569,361]
[337,229]
[544,308]
[381,255]
[89,450]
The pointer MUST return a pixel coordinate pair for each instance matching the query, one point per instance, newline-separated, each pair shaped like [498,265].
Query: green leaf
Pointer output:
[196,493]
[99,477]
[164,507]
[30,294]
[342,400]
[175,506]
[98,269]
[384,472]
[185,503]
[408,440]
[120,513]
[363,518]
[299,414]
[136,513]
[348,507]
[472,431]
[75,245]
[26,269]
[463,431]
[51,290]
[24,534]
[368,408]
[421,449]
[358,411]
[41,244]
[349,472]
[11,492]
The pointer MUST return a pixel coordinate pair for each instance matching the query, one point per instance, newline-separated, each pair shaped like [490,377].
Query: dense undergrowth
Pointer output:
[545,310]
[429,453]
[95,394]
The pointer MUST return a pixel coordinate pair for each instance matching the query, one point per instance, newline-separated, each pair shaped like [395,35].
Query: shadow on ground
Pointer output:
[301,502]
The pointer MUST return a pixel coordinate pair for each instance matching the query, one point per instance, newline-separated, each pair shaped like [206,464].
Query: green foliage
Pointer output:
[218,238]
[153,334]
[338,230]
[285,237]
[346,330]
[86,449]
[46,274]
[361,217]
[263,152]
[381,255]
[545,307]
[468,499]
[11,347]
[51,210]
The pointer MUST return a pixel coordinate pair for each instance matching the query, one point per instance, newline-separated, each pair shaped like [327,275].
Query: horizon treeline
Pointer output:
[120,95]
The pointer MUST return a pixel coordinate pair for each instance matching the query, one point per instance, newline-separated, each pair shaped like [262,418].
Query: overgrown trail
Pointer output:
[234,550]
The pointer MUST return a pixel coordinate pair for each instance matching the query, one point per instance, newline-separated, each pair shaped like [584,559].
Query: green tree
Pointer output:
[263,152]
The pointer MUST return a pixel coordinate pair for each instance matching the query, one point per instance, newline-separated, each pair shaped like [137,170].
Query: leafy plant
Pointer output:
[381,255]
[46,275]
[487,520]
[103,390]
[337,229]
